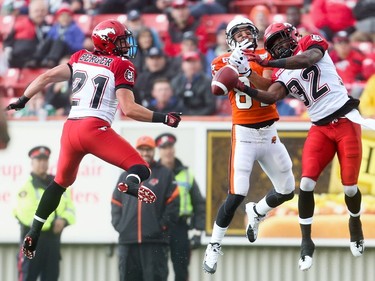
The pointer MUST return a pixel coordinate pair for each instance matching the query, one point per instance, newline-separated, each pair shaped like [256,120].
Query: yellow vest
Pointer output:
[28,199]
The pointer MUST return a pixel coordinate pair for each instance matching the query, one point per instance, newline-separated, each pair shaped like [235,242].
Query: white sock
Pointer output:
[218,234]
[262,207]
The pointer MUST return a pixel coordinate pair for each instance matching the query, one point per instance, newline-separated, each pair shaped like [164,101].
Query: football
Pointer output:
[224,80]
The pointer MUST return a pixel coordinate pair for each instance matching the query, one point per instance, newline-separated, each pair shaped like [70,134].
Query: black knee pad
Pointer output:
[227,210]
[275,199]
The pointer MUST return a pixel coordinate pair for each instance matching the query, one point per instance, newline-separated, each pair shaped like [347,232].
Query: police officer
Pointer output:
[192,208]
[46,263]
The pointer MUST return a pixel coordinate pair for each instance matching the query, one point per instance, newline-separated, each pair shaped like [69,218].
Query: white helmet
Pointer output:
[234,25]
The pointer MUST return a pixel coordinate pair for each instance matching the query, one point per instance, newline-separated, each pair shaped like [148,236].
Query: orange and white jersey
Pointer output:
[246,110]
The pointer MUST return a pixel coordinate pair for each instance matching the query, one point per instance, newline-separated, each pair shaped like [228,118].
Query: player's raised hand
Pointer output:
[172,119]
[251,56]
[19,104]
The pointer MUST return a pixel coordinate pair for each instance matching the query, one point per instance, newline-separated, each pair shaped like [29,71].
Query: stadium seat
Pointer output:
[211,23]
[84,22]
[157,21]
[245,6]
[16,80]
[99,18]
[280,6]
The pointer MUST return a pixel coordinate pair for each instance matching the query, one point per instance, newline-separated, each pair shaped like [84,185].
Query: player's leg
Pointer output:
[70,157]
[350,157]
[318,151]
[242,159]
[114,149]
[276,163]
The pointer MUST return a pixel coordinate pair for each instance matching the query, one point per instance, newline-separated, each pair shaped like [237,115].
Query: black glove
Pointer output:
[172,119]
[19,104]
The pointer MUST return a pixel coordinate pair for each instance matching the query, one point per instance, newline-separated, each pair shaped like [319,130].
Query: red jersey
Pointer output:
[246,110]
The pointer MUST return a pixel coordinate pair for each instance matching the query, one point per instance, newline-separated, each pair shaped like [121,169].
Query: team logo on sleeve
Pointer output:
[129,75]
[316,37]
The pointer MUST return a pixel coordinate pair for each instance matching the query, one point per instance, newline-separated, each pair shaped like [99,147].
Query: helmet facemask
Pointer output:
[254,32]
[283,48]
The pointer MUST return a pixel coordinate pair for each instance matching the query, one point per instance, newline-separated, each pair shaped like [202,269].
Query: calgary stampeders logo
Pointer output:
[273,139]
[129,75]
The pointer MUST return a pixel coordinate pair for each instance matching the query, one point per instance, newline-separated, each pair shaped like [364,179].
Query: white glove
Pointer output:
[239,60]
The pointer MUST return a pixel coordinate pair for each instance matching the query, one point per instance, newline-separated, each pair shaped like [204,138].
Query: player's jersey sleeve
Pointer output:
[312,40]
[95,80]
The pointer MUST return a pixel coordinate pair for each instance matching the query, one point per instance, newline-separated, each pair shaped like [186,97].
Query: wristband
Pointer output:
[250,91]
[158,117]
[280,63]
[24,99]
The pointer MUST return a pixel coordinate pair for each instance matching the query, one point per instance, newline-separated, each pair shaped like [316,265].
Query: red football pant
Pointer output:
[92,136]
[323,142]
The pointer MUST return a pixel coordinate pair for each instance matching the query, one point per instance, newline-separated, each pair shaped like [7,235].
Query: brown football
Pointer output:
[224,80]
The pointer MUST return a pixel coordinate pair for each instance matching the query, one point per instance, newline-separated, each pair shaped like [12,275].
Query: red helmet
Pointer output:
[285,47]
[112,38]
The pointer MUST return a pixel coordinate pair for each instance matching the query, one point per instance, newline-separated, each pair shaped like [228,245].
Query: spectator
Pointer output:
[157,7]
[212,7]
[145,41]
[27,33]
[364,13]
[331,17]
[64,38]
[57,98]
[347,60]
[294,17]
[157,65]
[135,23]
[4,135]
[180,21]
[163,99]
[189,44]
[143,228]
[46,264]
[192,213]
[367,105]
[108,7]
[193,87]
[218,49]
[260,15]
[78,7]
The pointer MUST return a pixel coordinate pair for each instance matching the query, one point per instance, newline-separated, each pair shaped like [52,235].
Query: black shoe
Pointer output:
[29,244]
[357,243]
[307,251]
[142,192]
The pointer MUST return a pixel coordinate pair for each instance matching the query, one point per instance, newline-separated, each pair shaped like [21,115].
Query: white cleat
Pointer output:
[305,263]
[254,220]
[357,248]
[210,257]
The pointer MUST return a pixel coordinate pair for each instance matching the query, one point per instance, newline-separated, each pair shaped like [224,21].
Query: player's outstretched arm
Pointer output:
[57,74]
[137,112]
[275,92]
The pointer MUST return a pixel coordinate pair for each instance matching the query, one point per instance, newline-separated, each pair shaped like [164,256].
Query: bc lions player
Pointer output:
[304,69]
[254,138]
[101,80]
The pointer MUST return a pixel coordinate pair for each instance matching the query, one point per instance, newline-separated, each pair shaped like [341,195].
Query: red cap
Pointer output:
[64,9]
[179,3]
[145,141]
[191,56]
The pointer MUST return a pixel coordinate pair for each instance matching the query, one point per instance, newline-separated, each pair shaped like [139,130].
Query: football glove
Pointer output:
[239,60]
[172,119]
[19,104]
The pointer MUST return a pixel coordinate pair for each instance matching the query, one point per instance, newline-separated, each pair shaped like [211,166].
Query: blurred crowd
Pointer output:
[173,65]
